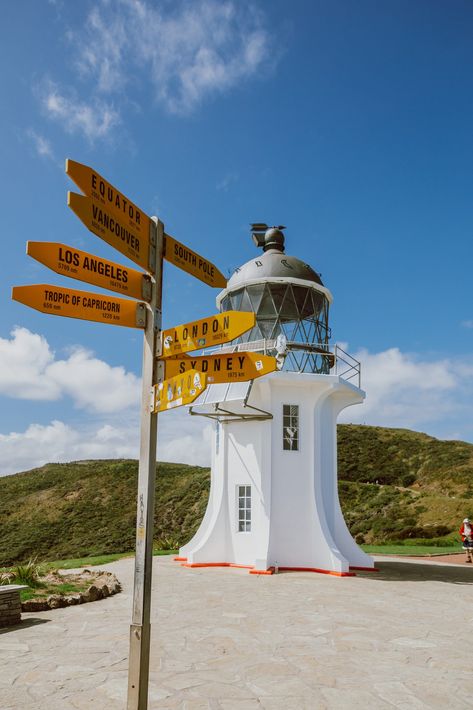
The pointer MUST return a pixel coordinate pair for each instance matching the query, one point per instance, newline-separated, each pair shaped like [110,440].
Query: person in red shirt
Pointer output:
[466,532]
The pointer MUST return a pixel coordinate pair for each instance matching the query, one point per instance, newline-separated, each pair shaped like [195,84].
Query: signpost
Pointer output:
[230,367]
[111,200]
[140,628]
[179,390]
[84,305]
[92,269]
[206,332]
[110,215]
[113,229]
[191,262]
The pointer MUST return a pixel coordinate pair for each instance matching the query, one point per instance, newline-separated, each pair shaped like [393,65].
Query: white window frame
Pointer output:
[243,508]
[291,419]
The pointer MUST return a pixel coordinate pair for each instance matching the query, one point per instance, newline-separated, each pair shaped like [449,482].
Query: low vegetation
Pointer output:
[396,487]
[41,580]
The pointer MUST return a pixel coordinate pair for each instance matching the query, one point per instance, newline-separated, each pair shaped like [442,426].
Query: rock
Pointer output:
[56,601]
[72,599]
[93,593]
[105,591]
[35,605]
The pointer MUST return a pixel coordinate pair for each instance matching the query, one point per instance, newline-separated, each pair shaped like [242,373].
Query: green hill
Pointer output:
[394,484]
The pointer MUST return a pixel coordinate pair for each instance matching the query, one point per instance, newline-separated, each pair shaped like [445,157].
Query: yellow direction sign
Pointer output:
[191,262]
[109,198]
[92,269]
[111,228]
[230,367]
[179,390]
[68,302]
[206,332]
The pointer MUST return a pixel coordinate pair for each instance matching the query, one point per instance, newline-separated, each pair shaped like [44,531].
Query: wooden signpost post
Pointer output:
[170,376]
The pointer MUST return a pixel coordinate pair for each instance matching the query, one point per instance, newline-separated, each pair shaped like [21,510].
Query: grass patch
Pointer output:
[44,589]
[412,550]
[97,560]
[92,561]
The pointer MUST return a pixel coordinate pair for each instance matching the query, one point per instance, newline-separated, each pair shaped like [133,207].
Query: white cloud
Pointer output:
[225,183]
[467,324]
[182,439]
[191,51]
[109,397]
[57,442]
[23,361]
[404,390]
[94,120]
[30,370]
[41,144]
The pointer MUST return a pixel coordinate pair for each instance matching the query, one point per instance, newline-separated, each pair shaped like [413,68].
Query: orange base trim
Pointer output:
[215,564]
[366,569]
[270,570]
[319,571]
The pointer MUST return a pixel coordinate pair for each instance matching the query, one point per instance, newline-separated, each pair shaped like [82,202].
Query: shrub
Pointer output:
[27,573]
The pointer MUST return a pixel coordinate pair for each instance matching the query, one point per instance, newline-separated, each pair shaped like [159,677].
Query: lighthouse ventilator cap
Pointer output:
[467,520]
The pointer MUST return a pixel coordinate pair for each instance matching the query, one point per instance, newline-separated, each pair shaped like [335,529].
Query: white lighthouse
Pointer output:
[273,500]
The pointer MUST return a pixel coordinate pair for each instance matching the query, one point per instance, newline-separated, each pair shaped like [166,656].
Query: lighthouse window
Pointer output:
[244,508]
[290,427]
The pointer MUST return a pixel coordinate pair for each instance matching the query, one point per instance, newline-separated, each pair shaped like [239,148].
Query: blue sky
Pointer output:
[350,123]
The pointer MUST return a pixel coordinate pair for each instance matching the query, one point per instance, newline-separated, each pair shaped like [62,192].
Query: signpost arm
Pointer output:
[140,628]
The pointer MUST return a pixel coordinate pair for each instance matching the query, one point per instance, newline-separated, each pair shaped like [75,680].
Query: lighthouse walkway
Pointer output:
[226,640]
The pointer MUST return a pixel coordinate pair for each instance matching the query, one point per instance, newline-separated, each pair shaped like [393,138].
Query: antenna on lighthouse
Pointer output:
[268,237]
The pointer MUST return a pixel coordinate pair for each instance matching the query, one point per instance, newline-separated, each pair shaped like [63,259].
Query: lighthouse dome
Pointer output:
[289,300]
[270,264]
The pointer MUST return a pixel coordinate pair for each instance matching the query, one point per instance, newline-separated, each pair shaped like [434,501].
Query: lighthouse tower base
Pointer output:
[273,499]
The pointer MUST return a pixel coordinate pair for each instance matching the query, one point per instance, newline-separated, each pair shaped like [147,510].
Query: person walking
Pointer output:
[466,532]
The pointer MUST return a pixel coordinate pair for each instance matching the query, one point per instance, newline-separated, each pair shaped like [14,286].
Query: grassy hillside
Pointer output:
[397,484]
[394,485]
[89,507]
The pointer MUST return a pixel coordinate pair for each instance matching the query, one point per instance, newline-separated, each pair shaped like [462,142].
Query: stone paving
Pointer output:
[226,640]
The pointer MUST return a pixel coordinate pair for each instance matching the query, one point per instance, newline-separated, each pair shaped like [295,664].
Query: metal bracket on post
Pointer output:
[140,629]
[146,287]
[159,340]
[141,315]
[160,371]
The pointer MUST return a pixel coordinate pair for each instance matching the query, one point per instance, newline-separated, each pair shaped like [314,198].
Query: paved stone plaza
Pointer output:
[227,640]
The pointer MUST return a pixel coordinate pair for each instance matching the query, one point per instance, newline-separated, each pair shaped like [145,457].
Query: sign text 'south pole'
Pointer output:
[138,672]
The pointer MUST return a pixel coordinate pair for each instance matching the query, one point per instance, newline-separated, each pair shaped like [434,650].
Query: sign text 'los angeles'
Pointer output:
[95,270]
